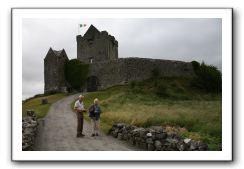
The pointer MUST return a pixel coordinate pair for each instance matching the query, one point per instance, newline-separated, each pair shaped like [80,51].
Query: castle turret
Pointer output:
[54,77]
[96,46]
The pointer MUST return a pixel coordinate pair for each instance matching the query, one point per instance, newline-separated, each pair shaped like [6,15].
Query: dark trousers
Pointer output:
[80,121]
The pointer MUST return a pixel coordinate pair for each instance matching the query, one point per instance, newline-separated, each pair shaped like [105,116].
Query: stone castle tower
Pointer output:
[96,46]
[54,77]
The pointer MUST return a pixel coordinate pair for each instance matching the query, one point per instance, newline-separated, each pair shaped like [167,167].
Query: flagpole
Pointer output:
[79,28]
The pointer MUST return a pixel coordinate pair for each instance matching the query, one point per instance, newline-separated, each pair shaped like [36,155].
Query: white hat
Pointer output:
[81,96]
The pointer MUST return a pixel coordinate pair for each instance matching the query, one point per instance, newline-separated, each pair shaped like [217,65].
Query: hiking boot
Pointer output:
[80,135]
[93,135]
[97,134]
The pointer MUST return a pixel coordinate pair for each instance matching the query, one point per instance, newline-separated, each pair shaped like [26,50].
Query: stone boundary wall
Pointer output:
[124,70]
[29,131]
[155,138]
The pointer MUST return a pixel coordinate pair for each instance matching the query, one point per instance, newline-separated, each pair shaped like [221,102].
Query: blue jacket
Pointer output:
[95,111]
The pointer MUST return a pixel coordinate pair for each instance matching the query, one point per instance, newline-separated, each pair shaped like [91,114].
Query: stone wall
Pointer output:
[155,139]
[29,131]
[124,70]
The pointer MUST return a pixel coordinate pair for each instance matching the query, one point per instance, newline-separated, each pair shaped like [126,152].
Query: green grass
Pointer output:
[35,104]
[198,113]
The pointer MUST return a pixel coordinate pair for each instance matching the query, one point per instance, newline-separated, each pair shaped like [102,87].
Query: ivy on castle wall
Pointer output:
[76,73]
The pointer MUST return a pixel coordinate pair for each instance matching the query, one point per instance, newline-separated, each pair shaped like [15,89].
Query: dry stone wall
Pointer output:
[29,131]
[155,138]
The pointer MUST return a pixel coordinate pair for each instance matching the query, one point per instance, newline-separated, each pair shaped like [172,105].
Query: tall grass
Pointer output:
[199,113]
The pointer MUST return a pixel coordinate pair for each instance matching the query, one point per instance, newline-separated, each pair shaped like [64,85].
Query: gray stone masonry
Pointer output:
[29,131]
[54,77]
[155,138]
[96,46]
[124,70]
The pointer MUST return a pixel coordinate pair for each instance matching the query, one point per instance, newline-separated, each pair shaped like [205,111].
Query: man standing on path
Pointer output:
[79,109]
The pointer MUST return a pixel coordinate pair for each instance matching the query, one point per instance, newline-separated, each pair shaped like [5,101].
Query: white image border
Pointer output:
[18,155]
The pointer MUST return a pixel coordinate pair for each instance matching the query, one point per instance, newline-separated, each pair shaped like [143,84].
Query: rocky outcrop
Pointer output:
[29,129]
[44,101]
[155,138]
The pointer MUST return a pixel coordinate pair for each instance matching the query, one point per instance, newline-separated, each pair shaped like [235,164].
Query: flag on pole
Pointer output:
[82,25]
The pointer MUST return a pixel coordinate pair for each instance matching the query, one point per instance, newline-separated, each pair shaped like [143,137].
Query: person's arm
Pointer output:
[91,108]
[100,110]
[77,110]
[83,108]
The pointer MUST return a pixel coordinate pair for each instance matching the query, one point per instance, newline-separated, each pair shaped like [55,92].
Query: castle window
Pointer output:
[91,59]
[90,42]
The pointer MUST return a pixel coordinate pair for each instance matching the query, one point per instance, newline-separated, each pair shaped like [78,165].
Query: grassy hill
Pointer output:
[167,102]
[35,104]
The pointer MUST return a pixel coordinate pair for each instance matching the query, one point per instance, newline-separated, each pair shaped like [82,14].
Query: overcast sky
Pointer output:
[172,39]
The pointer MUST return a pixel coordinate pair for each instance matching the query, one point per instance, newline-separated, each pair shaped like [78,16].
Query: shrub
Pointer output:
[208,77]
[76,73]
[136,87]
[155,73]
[50,92]
[161,90]
[132,84]
[195,65]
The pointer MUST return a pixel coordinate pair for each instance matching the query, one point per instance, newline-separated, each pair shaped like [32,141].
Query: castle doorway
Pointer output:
[92,83]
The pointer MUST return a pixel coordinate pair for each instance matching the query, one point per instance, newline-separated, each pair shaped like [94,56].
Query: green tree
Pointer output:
[208,77]
[76,73]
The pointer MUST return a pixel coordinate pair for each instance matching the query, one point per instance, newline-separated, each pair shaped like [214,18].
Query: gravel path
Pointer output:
[57,132]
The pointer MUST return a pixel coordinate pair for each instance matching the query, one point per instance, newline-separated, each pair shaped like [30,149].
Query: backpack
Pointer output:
[91,111]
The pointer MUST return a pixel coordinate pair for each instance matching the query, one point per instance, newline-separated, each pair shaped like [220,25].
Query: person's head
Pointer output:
[96,101]
[81,97]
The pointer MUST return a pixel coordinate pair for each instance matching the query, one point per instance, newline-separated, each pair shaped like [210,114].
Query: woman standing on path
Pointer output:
[94,114]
